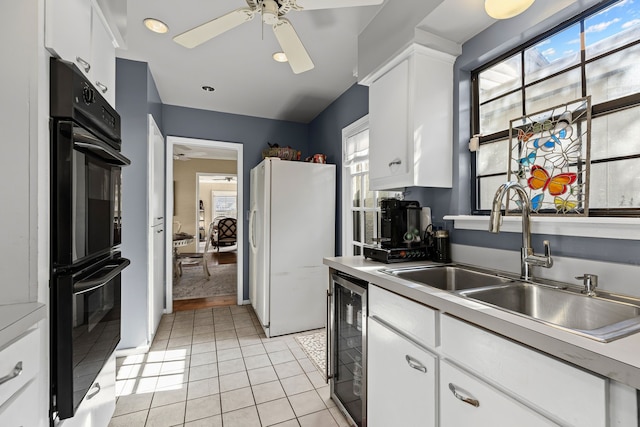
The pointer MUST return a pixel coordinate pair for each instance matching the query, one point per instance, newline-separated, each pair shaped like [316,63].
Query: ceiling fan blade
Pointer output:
[209,30]
[331,4]
[297,55]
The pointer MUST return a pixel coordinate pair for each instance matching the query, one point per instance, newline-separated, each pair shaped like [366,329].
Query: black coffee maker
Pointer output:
[400,224]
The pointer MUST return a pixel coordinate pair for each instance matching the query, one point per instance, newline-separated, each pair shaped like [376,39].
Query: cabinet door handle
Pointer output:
[17,370]
[103,88]
[394,162]
[416,364]
[84,64]
[159,231]
[96,386]
[470,401]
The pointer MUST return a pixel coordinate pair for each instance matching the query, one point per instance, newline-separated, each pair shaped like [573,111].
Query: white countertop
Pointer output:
[17,318]
[618,360]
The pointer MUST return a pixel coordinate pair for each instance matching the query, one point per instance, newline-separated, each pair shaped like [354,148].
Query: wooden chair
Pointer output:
[226,233]
[185,259]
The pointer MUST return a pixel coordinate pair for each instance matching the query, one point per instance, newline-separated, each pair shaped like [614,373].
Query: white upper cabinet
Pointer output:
[411,120]
[68,31]
[76,32]
[103,59]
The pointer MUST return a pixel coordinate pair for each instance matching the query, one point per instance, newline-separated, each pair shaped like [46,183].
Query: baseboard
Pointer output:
[123,352]
[246,302]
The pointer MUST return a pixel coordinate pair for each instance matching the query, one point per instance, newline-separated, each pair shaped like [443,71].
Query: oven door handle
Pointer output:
[85,141]
[101,278]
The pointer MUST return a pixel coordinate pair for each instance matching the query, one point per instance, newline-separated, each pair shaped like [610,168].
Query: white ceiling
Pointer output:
[238,63]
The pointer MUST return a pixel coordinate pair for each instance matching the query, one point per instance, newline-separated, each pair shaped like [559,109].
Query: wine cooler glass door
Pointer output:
[349,348]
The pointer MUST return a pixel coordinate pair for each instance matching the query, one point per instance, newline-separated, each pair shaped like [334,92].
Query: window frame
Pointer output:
[348,243]
[598,110]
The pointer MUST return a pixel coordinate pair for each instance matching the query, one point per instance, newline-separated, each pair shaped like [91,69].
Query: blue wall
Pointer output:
[252,132]
[325,136]
[136,97]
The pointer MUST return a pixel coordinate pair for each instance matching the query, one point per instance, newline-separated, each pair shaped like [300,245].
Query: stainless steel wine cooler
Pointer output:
[347,346]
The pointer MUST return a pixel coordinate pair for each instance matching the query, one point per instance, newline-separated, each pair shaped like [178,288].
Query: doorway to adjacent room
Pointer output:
[204,199]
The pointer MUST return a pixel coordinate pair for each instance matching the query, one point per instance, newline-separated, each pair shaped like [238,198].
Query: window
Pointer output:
[597,54]
[224,204]
[361,210]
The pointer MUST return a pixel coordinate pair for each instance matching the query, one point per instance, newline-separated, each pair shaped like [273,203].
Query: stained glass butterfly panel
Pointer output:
[549,156]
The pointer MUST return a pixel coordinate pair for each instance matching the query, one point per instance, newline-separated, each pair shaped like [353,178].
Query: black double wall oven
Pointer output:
[86,220]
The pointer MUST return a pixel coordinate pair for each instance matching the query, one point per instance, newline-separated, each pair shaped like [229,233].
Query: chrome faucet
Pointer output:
[527,257]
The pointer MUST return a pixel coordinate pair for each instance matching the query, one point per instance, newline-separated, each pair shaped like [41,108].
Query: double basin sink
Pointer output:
[599,318]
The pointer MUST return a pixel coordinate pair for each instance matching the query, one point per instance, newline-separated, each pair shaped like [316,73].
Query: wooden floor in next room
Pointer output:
[217,258]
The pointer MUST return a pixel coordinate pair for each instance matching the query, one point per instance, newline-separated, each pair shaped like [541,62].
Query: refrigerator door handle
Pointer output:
[252,233]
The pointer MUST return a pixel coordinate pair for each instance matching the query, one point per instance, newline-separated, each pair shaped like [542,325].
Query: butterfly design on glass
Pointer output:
[565,205]
[536,202]
[561,130]
[555,185]
[566,154]
[529,159]
[524,136]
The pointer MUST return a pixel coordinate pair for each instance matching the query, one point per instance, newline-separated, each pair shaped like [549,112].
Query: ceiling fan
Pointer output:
[182,152]
[272,12]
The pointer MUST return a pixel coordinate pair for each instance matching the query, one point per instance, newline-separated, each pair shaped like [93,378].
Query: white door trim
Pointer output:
[238,148]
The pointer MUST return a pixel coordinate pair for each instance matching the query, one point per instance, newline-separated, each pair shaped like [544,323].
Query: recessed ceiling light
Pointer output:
[156,25]
[208,88]
[280,57]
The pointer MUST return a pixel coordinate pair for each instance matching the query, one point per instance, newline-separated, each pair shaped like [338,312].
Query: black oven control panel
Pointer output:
[74,97]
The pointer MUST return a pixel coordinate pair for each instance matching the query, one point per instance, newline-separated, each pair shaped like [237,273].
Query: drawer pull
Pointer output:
[103,88]
[96,386]
[415,364]
[470,401]
[84,64]
[17,370]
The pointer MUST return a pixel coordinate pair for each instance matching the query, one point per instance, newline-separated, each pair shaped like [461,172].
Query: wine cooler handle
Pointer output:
[328,375]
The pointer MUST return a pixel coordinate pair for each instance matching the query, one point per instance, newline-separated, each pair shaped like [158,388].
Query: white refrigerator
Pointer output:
[291,228]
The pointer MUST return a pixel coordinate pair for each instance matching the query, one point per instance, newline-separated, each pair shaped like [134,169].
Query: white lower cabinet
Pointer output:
[554,388]
[99,404]
[19,369]
[19,410]
[467,401]
[401,381]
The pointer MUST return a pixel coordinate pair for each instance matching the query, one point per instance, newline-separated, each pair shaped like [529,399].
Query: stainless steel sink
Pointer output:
[448,277]
[593,317]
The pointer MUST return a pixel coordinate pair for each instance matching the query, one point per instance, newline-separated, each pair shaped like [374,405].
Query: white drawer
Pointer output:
[558,389]
[24,350]
[413,319]
[19,410]
[97,407]
[486,406]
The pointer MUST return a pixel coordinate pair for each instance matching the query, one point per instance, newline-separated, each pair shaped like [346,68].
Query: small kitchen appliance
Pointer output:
[401,234]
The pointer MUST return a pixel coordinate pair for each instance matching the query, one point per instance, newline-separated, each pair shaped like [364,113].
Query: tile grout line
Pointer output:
[176,322]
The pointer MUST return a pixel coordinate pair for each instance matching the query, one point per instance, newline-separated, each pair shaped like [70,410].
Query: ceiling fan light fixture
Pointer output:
[504,9]
[156,25]
[270,12]
[280,57]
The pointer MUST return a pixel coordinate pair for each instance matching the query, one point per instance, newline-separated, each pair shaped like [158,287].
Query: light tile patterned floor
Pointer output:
[215,368]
